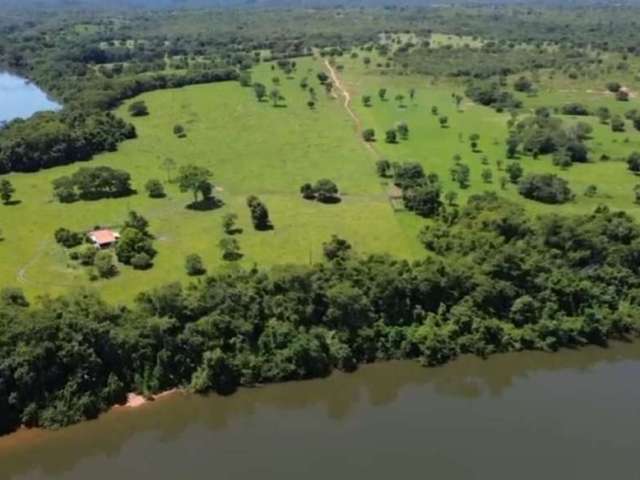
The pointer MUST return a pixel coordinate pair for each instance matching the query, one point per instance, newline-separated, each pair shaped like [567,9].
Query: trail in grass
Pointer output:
[347,105]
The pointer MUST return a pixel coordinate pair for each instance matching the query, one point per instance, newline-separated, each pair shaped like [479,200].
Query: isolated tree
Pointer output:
[229,223]
[178,131]
[391,136]
[325,190]
[461,174]
[633,162]
[382,93]
[403,130]
[311,104]
[304,83]
[194,265]
[260,90]
[322,77]
[369,135]
[138,109]
[591,191]
[154,188]
[515,171]
[230,248]
[366,61]
[195,179]
[168,164]
[383,167]
[487,175]
[259,213]
[275,97]
[328,86]
[617,124]
[6,191]
[306,190]
[613,87]
[336,249]
[434,111]
[400,99]
[444,121]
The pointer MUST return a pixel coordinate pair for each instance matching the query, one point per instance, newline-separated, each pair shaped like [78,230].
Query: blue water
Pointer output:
[18,98]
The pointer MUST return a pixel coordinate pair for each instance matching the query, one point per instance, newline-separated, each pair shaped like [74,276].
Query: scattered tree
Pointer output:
[369,135]
[138,109]
[336,249]
[154,188]
[195,179]
[230,248]
[6,191]
[194,265]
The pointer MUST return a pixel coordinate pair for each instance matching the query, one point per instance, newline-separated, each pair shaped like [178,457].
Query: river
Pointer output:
[573,414]
[20,98]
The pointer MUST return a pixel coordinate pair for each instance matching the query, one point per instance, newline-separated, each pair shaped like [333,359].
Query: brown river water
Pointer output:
[573,414]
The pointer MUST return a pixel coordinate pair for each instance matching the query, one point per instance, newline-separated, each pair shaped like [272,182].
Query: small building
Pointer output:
[103,238]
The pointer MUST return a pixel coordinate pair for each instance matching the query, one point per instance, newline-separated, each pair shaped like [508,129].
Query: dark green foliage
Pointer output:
[259,213]
[138,109]
[6,191]
[574,109]
[104,264]
[67,238]
[194,265]
[391,136]
[336,249]
[195,179]
[92,183]
[490,95]
[369,135]
[522,84]
[515,171]
[633,162]
[154,188]
[324,190]
[546,188]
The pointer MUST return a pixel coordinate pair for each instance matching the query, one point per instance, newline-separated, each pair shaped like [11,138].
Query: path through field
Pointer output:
[347,105]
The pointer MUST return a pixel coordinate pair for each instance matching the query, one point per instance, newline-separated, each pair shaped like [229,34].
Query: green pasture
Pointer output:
[252,148]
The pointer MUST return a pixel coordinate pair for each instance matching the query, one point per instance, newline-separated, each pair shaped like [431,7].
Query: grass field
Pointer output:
[255,148]
[435,147]
[252,148]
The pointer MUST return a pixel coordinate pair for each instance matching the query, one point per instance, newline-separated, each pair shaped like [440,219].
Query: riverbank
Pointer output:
[498,411]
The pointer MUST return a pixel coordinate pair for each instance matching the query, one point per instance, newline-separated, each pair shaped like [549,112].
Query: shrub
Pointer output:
[633,162]
[138,109]
[141,261]
[87,255]
[545,188]
[178,131]
[67,238]
[194,265]
[154,188]
[104,264]
[369,135]
[613,87]
[574,109]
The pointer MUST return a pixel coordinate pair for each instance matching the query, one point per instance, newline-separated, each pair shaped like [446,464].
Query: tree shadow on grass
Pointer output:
[205,205]
[12,203]
[235,231]
[330,200]
[232,257]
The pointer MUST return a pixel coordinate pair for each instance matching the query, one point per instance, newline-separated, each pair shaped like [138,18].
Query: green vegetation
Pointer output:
[495,211]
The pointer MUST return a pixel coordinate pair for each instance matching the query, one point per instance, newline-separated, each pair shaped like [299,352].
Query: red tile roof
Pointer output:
[104,236]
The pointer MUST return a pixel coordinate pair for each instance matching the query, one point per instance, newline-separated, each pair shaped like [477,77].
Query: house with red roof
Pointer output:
[103,237]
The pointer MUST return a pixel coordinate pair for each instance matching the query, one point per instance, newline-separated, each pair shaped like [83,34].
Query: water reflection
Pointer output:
[335,401]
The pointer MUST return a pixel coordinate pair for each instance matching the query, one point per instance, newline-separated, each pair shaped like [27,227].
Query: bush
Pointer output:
[613,87]
[154,188]
[194,265]
[138,109]
[574,109]
[545,188]
[633,162]
[178,131]
[622,96]
[104,264]
[67,238]
[87,255]
[369,135]
[141,261]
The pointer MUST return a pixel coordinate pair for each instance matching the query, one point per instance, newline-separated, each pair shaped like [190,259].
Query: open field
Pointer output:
[255,148]
[252,148]
[435,147]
